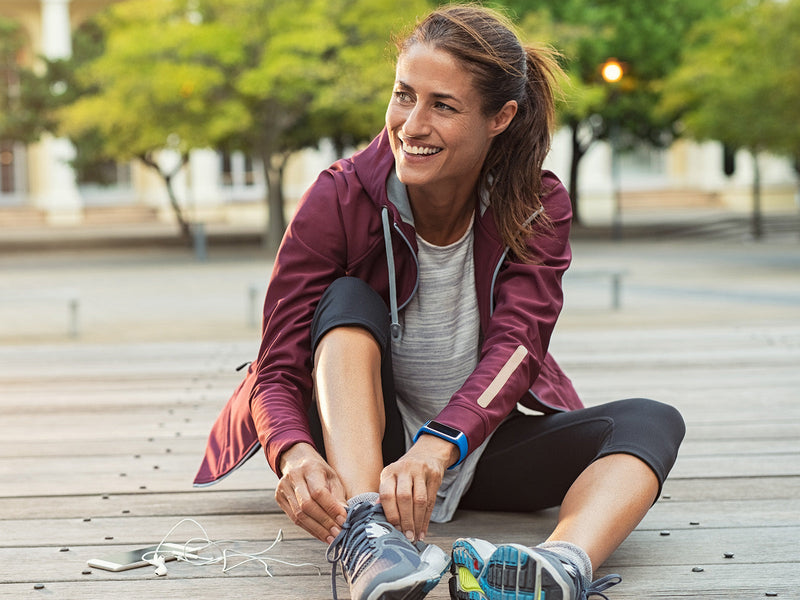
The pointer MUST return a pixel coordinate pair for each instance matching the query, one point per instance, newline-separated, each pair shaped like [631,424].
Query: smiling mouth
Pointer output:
[419,150]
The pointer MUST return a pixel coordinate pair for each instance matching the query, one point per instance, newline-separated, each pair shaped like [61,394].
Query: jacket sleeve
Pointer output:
[310,258]
[528,300]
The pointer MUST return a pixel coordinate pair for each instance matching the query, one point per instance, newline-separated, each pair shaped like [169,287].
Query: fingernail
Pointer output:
[340,520]
[335,531]
[410,536]
[329,539]
[422,536]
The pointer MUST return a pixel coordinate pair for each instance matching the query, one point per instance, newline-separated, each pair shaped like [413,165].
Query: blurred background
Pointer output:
[173,137]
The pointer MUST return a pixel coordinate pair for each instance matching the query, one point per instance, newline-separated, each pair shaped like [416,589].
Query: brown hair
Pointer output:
[484,41]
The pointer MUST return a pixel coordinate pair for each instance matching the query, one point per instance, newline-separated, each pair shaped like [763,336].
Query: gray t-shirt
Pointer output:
[438,350]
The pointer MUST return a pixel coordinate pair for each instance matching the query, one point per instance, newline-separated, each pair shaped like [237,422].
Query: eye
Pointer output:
[444,107]
[402,96]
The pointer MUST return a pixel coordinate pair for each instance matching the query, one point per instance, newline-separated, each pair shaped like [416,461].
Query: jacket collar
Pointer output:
[374,167]
[398,195]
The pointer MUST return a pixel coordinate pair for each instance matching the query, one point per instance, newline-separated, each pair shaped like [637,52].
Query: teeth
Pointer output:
[419,150]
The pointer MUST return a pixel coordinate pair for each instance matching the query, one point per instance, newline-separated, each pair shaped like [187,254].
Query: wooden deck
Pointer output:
[99,443]
[100,435]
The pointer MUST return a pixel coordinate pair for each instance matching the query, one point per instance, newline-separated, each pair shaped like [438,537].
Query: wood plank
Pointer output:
[64,578]
[135,530]
[207,501]
[739,507]
[718,513]
[113,475]
[109,446]
[730,581]
[162,471]
[688,547]
[744,466]
[693,445]
[731,488]
[686,543]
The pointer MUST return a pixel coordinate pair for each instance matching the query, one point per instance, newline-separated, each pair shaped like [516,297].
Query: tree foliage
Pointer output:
[647,36]
[25,99]
[739,83]
[320,70]
[265,77]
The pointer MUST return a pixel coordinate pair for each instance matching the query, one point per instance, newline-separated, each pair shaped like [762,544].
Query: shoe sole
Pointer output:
[469,556]
[512,572]
[416,585]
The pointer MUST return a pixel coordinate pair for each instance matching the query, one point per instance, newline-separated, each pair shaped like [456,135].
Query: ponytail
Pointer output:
[513,167]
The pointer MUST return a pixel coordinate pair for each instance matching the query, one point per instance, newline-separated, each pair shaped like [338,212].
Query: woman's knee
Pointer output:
[350,302]
[663,416]
[650,420]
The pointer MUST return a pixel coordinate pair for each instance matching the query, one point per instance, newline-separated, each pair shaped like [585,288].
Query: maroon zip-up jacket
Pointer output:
[342,227]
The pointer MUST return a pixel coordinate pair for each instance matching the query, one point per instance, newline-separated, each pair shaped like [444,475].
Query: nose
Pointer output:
[417,123]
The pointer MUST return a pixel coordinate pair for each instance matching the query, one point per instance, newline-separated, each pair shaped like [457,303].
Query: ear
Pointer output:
[500,121]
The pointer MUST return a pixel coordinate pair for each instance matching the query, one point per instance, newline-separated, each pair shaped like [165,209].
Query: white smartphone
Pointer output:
[132,559]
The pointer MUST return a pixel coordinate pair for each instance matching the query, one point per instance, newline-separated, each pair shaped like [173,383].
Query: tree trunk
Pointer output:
[274,165]
[797,172]
[757,223]
[147,159]
[578,150]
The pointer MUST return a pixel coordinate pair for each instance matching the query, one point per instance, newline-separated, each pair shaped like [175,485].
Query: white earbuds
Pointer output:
[222,555]
[160,565]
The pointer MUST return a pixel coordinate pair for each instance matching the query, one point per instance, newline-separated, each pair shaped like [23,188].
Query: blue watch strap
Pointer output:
[450,434]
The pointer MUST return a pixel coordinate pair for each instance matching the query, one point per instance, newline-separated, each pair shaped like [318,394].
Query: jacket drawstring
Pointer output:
[395,329]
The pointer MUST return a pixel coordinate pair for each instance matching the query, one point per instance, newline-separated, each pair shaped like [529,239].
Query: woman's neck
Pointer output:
[441,216]
[441,221]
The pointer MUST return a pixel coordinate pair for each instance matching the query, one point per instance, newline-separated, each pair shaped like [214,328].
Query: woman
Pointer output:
[410,311]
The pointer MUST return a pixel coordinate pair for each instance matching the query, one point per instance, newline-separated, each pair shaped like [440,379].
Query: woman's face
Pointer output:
[438,133]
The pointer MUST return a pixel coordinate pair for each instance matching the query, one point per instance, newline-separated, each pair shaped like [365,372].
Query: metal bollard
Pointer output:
[199,241]
[73,317]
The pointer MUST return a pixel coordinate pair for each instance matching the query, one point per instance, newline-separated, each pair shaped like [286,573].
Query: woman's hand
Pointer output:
[310,492]
[408,486]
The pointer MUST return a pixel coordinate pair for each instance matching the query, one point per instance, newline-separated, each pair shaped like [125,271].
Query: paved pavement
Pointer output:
[161,292]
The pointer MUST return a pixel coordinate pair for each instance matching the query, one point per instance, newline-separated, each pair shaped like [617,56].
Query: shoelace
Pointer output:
[598,586]
[351,547]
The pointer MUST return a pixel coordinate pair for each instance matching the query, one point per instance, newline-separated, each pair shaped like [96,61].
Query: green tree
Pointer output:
[24,98]
[264,77]
[739,84]
[154,86]
[30,100]
[321,69]
[646,36]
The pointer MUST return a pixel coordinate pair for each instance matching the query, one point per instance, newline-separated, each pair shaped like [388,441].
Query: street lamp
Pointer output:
[612,72]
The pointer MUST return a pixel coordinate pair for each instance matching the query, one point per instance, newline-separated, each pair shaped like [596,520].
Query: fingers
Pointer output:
[408,496]
[312,507]
[312,496]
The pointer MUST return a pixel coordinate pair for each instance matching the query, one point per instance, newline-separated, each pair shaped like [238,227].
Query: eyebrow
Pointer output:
[437,95]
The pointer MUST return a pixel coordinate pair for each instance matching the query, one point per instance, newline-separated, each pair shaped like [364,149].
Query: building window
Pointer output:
[7,168]
[237,170]
[13,172]
[104,173]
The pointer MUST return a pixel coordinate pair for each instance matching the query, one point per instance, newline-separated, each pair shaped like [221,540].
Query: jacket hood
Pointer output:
[372,166]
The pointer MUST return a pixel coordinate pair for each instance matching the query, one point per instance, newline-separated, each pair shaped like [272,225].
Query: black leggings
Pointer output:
[531,460]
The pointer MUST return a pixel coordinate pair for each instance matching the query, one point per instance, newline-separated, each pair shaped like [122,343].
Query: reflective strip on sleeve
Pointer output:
[490,393]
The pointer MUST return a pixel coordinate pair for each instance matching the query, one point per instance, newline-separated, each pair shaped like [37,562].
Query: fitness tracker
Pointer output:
[452,435]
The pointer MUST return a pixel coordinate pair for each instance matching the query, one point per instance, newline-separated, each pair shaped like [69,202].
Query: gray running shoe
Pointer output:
[379,563]
[483,571]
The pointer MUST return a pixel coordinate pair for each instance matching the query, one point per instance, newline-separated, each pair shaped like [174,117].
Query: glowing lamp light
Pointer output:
[612,70]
